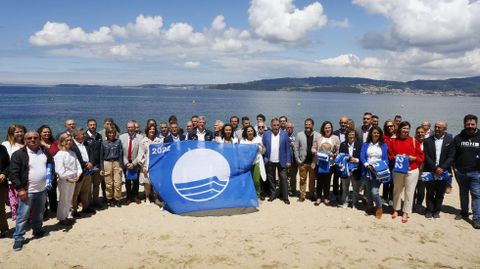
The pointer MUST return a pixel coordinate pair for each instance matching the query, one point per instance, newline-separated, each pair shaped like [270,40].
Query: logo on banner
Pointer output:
[200,175]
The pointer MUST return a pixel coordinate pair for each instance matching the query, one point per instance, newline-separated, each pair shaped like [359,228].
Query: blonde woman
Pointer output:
[69,170]
[142,159]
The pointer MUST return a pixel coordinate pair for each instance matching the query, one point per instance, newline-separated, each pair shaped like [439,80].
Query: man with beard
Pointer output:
[305,160]
[362,132]
[467,166]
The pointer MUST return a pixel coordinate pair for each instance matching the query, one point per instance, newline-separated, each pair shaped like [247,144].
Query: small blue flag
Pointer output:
[193,176]
[401,164]
[323,165]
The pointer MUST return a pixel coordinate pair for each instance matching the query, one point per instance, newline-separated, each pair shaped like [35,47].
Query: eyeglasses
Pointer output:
[263,127]
[32,138]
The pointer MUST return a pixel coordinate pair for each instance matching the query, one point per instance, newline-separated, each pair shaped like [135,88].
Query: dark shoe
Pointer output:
[64,222]
[272,198]
[17,245]
[317,202]
[128,202]
[286,202]
[429,215]
[370,211]
[262,197]
[41,234]
[476,224]
[436,215]
[110,203]
[75,214]
[118,204]
[89,210]
[461,216]
[137,201]
[5,234]
[301,200]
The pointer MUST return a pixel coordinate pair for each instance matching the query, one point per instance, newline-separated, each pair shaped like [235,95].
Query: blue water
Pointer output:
[34,106]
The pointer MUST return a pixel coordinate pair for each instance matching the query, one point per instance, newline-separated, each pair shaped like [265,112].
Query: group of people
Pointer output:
[36,166]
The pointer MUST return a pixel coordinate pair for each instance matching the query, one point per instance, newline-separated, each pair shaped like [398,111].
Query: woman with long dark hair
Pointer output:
[388,136]
[48,141]
[373,150]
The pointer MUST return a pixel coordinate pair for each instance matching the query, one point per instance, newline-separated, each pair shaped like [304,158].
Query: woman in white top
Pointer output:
[142,159]
[326,142]
[227,135]
[249,136]
[13,142]
[69,171]
[374,150]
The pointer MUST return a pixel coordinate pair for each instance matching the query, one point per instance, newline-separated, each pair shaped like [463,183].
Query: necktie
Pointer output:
[130,149]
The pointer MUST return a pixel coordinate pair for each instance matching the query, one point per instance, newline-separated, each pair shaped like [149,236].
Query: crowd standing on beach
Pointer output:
[42,174]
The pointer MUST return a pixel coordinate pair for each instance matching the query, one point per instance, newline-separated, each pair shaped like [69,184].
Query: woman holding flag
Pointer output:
[407,154]
[326,144]
[374,154]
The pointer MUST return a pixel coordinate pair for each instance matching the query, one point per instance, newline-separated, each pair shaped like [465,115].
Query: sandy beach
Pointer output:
[277,236]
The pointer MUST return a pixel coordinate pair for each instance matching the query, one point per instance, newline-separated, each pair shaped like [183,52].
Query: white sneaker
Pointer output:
[148,202]
[344,205]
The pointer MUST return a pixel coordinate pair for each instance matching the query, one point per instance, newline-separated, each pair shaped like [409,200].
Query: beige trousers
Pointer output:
[406,183]
[113,180]
[304,171]
[83,191]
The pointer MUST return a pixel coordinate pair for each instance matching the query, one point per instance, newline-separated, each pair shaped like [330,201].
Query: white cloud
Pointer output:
[341,60]
[280,20]
[54,34]
[345,23]
[433,25]
[218,23]
[183,33]
[191,64]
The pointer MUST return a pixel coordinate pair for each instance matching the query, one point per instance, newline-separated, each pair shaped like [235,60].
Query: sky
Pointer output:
[220,41]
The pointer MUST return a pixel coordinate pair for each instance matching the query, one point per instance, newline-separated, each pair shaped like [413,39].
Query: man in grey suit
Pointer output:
[130,143]
[305,159]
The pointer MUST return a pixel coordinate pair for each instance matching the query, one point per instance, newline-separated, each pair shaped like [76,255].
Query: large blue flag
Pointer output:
[202,176]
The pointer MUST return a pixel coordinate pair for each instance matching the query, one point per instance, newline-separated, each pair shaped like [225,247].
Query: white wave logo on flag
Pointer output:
[200,175]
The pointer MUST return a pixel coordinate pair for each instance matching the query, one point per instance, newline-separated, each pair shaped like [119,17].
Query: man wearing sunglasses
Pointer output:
[28,173]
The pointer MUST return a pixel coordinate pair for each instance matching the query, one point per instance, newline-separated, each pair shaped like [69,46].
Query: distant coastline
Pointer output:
[469,86]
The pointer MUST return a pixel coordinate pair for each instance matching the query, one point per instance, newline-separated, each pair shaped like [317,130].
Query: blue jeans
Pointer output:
[372,187]
[469,183]
[36,204]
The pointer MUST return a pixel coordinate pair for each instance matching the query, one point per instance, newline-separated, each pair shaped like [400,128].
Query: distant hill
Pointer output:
[454,86]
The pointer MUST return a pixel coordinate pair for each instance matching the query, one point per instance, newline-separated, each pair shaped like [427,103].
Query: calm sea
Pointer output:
[34,106]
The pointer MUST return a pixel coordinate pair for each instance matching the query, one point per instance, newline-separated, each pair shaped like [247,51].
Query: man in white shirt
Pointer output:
[277,158]
[28,174]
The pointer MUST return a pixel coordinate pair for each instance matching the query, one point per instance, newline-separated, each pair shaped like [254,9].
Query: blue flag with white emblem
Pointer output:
[194,176]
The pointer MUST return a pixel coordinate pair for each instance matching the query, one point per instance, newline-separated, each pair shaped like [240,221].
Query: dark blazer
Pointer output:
[338,132]
[79,157]
[93,144]
[19,167]
[209,136]
[447,155]
[169,138]
[285,151]
[4,164]
[357,148]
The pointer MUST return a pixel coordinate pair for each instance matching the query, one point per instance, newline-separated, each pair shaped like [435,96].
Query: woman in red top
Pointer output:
[405,145]
[49,143]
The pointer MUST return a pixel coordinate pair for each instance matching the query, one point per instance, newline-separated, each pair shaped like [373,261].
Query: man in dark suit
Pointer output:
[174,135]
[93,142]
[277,157]
[200,133]
[362,132]
[439,157]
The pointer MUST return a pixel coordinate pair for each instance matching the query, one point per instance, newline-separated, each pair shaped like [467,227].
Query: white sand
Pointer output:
[278,236]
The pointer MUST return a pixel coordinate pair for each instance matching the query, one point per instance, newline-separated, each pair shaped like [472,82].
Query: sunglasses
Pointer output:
[32,138]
